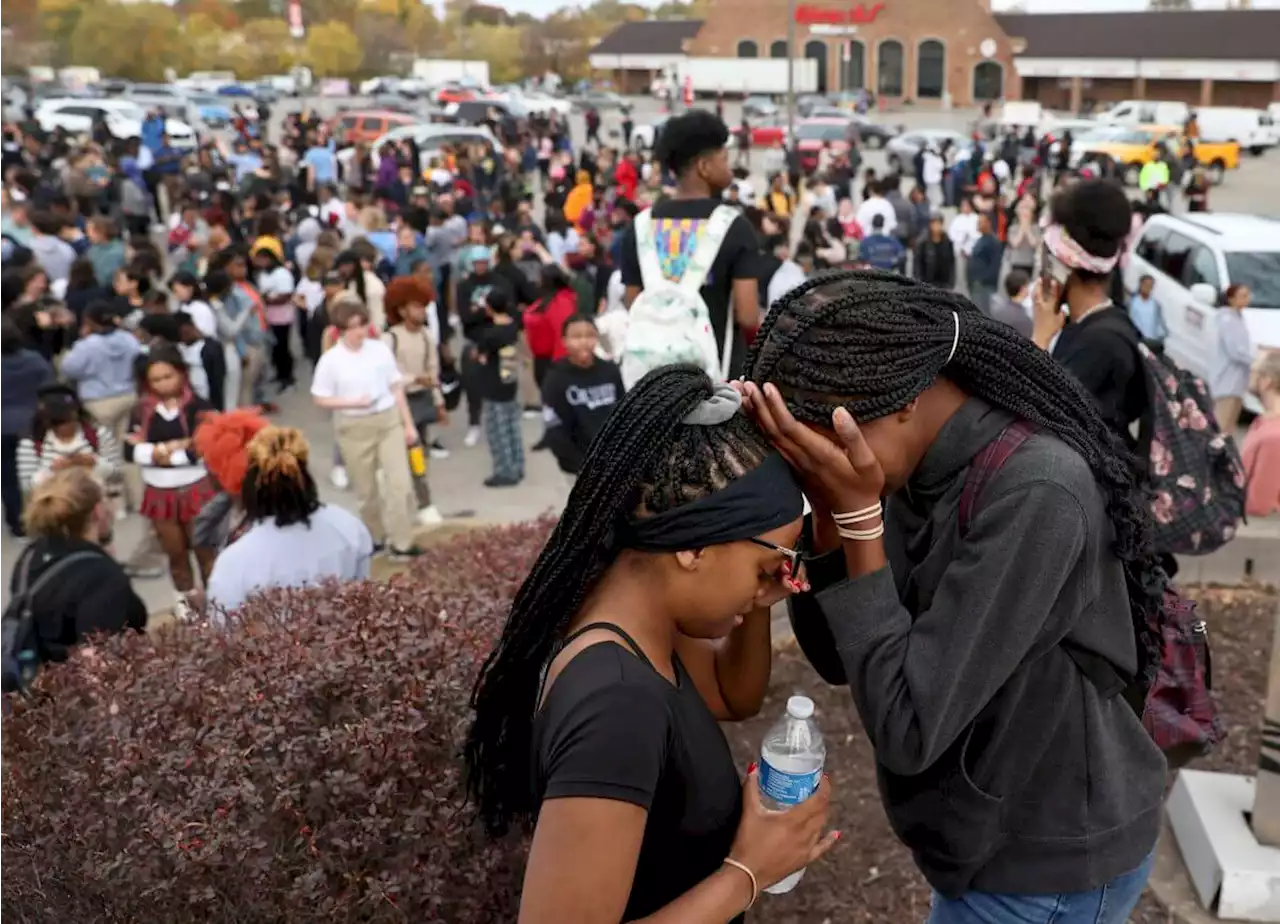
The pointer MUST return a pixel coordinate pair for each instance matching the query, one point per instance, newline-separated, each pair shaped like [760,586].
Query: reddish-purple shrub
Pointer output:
[303,766]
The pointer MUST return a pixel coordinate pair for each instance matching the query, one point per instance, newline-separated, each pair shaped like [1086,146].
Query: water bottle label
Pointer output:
[787,788]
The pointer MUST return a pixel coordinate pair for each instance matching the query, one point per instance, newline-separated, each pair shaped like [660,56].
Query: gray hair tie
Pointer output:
[720,407]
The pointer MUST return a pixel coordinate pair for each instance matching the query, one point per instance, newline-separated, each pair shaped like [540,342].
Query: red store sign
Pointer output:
[861,15]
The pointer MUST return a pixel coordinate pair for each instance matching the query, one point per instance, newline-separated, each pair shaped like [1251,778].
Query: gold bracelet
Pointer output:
[755,886]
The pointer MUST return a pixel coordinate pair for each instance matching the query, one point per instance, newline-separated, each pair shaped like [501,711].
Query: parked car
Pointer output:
[235,89]
[903,148]
[1131,147]
[766,131]
[213,111]
[477,112]
[806,103]
[1144,112]
[113,86]
[598,99]
[537,101]
[456,93]
[870,134]
[644,136]
[124,119]
[430,139]
[812,135]
[758,106]
[357,125]
[1193,258]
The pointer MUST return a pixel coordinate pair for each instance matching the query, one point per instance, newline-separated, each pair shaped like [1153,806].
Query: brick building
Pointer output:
[958,51]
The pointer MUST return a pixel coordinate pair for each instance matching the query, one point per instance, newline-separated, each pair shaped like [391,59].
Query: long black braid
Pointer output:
[873,342]
[644,461]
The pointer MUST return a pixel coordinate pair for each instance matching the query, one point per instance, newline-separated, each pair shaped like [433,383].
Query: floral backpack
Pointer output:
[1197,476]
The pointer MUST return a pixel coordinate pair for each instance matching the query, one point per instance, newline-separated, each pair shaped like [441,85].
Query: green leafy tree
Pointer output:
[332,50]
[137,41]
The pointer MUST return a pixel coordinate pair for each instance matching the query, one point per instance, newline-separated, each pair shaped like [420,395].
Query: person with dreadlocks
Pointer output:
[972,616]
[644,621]
[293,539]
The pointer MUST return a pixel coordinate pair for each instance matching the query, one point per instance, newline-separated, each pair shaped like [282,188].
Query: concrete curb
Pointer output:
[1172,886]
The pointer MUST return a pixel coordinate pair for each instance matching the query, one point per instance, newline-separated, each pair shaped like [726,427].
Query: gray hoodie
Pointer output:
[1000,765]
[101,365]
[308,231]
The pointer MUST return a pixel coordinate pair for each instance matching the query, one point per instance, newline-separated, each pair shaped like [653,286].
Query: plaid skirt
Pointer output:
[181,504]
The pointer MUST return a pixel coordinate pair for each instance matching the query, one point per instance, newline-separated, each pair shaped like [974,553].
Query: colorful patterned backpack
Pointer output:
[669,321]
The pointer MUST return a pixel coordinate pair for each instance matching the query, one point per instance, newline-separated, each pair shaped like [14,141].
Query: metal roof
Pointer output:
[1238,35]
[649,37]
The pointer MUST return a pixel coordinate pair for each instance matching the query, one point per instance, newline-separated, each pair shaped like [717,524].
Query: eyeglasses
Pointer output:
[791,555]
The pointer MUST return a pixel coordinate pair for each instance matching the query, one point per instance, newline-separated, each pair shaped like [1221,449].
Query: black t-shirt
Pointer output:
[676,238]
[614,728]
[1102,352]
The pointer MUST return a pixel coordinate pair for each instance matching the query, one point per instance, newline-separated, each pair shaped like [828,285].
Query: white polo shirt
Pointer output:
[346,373]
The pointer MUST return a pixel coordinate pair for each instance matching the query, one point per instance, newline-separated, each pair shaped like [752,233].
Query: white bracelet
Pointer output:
[861,535]
[858,516]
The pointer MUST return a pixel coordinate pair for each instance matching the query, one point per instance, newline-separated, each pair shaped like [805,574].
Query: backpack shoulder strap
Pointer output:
[90,431]
[708,248]
[647,250]
[989,460]
[28,591]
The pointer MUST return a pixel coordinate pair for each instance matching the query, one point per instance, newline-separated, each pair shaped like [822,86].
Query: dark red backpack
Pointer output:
[1178,710]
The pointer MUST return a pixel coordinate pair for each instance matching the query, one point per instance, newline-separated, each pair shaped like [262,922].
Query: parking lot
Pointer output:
[1254,188]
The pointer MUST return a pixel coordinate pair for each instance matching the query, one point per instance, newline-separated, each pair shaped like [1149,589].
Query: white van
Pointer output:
[1145,112]
[1252,128]
[1193,258]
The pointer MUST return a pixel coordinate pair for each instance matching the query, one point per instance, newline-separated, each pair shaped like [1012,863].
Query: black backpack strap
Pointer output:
[608,627]
[56,567]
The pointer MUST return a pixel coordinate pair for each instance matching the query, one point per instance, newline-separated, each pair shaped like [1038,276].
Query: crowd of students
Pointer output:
[430,282]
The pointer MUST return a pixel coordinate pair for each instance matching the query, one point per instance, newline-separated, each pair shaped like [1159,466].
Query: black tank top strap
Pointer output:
[609,627]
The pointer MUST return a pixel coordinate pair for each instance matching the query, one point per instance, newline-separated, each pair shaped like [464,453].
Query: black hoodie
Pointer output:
[576,401]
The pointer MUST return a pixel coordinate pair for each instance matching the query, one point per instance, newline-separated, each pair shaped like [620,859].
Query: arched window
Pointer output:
[889,68]
[778,49]
[931,69]
[748,49]
[818,51]
[988,81]
[855,67]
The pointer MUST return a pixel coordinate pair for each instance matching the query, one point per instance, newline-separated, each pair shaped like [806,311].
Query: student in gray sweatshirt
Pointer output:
[1018,784]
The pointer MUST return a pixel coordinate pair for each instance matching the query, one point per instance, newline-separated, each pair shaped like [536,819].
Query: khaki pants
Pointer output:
[1227,410]
[255,360]
[113,413]
[370,443]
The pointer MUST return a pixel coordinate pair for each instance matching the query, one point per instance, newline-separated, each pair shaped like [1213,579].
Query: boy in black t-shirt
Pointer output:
[693,148]
[578,394]
[206,363]
[498,381]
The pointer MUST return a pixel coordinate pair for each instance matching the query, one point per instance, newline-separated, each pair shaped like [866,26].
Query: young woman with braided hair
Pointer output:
[1013,554]
[644,620]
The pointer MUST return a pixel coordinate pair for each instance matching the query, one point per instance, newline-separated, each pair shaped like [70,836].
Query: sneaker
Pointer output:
[408,554]
[531,413]
[496,482]
[438,452]
[472,439]
[338,478]
[430,516]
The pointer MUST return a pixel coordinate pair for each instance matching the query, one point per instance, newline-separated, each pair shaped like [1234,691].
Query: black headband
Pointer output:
[762,499]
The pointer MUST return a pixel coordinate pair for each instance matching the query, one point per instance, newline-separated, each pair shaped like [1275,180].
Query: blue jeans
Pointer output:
[1110,904]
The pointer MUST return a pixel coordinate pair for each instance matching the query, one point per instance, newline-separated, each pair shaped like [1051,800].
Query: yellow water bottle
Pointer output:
[417,460]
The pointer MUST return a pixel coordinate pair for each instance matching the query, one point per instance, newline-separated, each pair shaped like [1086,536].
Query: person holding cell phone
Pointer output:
[1076,319]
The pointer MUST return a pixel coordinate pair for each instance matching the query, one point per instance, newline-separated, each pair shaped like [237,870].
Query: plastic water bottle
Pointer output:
[791,759]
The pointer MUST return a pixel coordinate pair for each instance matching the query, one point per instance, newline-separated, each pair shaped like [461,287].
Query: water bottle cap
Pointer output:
[800,707]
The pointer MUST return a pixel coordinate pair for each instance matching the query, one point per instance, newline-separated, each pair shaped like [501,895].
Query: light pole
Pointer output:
[791,73]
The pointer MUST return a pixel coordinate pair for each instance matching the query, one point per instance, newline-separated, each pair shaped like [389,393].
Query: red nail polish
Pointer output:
[751,769]
[837,835]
